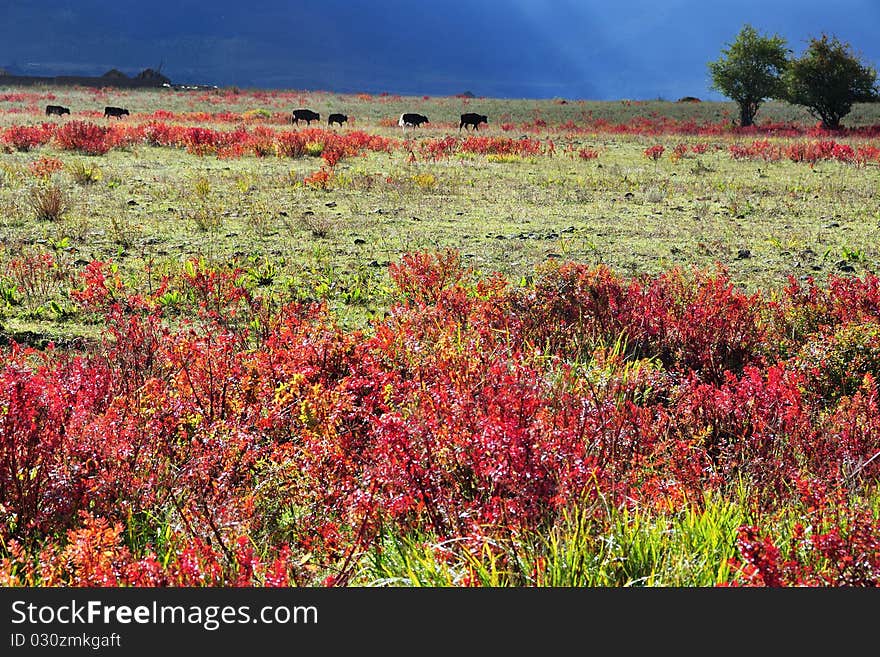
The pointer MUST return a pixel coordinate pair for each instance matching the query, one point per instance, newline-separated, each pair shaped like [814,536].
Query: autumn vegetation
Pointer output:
[607,344]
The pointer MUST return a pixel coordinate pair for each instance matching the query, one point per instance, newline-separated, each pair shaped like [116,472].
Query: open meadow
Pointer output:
[588,344]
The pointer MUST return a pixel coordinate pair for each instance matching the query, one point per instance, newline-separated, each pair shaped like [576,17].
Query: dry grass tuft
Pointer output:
[49,203]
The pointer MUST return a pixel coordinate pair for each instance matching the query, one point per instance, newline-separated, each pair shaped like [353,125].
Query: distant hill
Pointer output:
[150,74]
[112,78]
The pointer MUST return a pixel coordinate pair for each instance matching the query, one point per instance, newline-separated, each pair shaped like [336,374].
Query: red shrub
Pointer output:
[751,428]
[320,179]
[698,323]
[501,146]
[84,137]
[45,167]
[26,137]
[838,544]
[35,276]
[201,141]
[162,134]
[438,149]
[421,277]
[45,402]
[586,153]
[96,555]
[867,154]
[472,408]
[654,152]
[291,144]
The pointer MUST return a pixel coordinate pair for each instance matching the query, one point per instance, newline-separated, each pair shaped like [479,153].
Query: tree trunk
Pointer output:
[831,122]
[747,111]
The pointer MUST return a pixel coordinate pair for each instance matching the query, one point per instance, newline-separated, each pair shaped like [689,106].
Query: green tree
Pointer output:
[749,71]
[827,79]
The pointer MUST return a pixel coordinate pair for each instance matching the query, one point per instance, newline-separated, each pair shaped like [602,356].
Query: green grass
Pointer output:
[589,546]
[597,546]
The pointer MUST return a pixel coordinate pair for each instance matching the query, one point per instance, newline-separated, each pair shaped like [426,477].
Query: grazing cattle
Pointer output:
[411,120]
[118,112]
[473,119]
[337,118]
[56,109]
[306,115]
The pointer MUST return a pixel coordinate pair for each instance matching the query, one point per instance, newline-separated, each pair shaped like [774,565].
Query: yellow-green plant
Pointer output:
[85,174]
[314,148]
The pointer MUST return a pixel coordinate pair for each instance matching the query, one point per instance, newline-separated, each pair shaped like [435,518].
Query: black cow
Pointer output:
[306,115]
[473,119]
[337,118]
[56,109]
[411,120]
[118,112]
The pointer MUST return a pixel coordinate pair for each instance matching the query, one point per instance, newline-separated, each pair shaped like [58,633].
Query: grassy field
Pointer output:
[553,181]
[761,220]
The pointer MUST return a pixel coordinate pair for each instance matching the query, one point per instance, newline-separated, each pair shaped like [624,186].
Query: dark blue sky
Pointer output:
[602,50]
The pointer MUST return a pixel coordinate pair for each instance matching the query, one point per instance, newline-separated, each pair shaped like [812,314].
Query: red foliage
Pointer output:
[679,151]
[809,152]
[586,153]
[756,427]
[34,275]
[837,544]
[45,167]
[203,141]
[46,404]
[291,144]
[696,324]
[320,179]
[84,137]
[654,152]
[96,555]
[473,408]
[501,145]
[26,137]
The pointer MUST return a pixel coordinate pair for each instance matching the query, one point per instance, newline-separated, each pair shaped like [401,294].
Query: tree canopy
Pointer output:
[828,79]
[749,71]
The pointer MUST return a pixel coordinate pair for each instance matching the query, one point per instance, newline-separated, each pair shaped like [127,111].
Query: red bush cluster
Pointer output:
[438,149]
[45,167]
[655,152]
[837,544]
[94,139]
[262,141]
[473,407]
[502,146]
[83,137]
[656,125]
[27,137]
[810,152]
